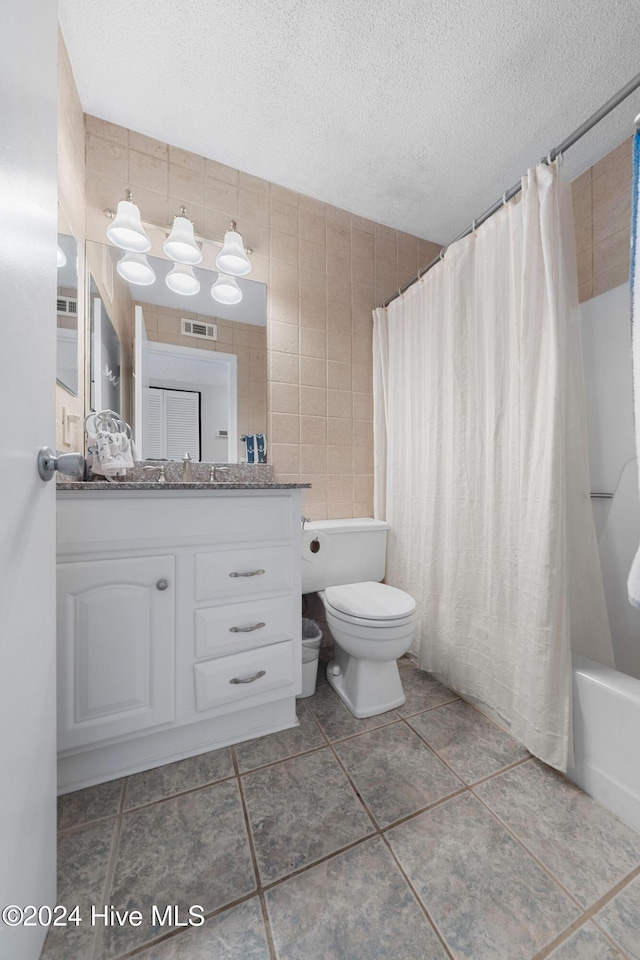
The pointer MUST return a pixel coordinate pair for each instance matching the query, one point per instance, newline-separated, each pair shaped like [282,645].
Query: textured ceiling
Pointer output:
[416,114]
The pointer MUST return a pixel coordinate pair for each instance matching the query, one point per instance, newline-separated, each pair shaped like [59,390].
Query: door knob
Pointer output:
[71,464]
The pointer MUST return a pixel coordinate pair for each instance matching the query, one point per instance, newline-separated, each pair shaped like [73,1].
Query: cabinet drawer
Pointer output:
[171,518]
[262,671]
[222,575]
[235,627]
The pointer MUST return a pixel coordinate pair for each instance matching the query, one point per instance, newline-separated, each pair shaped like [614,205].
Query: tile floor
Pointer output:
[421,834]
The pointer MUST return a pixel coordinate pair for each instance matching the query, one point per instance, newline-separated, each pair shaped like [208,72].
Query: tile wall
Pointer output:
[325,270]
[602,216]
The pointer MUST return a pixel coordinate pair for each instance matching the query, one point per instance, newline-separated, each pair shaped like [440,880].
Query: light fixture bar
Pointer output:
[110,213]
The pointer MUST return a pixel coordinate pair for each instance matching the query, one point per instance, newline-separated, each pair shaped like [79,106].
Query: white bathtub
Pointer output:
[606,737]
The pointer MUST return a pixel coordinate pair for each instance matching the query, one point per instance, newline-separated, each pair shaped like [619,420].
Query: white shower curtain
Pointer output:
[481,469]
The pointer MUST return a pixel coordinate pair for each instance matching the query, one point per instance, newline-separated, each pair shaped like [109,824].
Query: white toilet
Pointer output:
[372,623]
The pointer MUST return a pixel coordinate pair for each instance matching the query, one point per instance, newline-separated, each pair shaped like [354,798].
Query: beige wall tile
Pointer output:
[313,430]
[186,184]
[381,232]
[361,245]
[313,458]
[313,342]
[313,372]
[285,457]
[110,131]
[312,224]
[149,171]
[285,428]
[339,459]
[611,253]
[253,206]
[338,346]
[219,171]
[338,375]
[339,432]
[619,154]
[313,401]
[284,217]
[339,488]
[107,157]
[611,199]
[248,182]
[284,246]
[283,367]
[283,337]
[184,158]
[222,196]
[155,148]
[312,257]
[339,403]
[283,398]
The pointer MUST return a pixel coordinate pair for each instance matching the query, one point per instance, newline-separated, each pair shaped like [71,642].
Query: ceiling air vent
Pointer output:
[67,306]
[204,331]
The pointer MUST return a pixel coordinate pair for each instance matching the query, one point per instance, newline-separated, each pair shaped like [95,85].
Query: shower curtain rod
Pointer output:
[594,119]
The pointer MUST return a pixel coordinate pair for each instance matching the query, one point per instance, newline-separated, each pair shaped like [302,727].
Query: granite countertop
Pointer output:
[144,476]
[119,485]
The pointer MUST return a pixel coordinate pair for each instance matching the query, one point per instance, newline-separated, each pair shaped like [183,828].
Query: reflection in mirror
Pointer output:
[106,357]
[67,314]
[200,367]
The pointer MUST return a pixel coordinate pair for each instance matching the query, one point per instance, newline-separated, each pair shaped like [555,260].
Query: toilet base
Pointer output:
[366,687]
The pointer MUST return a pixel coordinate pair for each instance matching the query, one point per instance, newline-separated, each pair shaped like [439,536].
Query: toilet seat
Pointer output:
[370,604]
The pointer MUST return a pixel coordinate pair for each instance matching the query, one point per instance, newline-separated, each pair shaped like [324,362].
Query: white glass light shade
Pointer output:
[62,257]
[226,290]
[135,268]
[181,244]
[232,259]
[126,230]
[183,280]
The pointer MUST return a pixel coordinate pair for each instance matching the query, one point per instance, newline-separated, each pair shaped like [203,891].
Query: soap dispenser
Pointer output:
[187,471]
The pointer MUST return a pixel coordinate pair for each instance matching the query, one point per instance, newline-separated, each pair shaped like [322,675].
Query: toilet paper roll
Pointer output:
[314,545]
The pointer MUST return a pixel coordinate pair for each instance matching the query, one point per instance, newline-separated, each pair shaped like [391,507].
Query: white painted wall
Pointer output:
[606,335]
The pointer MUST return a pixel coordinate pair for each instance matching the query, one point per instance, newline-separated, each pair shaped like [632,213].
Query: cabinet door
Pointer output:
[116,642]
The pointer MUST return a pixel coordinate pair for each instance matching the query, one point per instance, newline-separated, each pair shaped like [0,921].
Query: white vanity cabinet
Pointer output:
[178,624]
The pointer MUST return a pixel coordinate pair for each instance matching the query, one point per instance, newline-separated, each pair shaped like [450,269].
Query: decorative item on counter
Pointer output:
[110,448]
[256,446]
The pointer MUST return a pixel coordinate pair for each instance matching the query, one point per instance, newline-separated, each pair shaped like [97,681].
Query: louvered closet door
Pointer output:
[172,423]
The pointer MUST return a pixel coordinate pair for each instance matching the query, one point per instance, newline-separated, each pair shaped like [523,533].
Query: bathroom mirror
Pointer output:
[67,312]
[105,355]
[194,371]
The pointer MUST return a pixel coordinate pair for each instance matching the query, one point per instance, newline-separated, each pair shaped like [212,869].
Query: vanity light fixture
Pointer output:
[232,259]
[183,280]
[226,289]
[62,257]
[126,230]
[181,244]
[135,268]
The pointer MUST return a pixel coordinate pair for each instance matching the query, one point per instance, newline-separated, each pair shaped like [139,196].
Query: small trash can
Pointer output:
[311,637]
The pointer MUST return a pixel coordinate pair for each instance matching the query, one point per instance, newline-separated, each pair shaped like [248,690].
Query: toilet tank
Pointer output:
[348,551]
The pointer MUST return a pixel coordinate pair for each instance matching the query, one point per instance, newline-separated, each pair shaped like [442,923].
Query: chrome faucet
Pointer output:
[187,469]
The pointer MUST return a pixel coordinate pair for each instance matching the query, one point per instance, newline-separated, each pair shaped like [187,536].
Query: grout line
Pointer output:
[274,763]
[267,927]
[108,881]
[416,897]
[247,826]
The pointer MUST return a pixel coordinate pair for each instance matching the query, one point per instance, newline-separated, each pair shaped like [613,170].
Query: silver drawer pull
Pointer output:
[256,626]
[251,573]
[256,676]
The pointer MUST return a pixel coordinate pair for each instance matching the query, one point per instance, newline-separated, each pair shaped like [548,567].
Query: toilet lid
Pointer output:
[370,601]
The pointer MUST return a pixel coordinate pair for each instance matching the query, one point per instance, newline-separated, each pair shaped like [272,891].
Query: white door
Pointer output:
[28,214]
[115,647]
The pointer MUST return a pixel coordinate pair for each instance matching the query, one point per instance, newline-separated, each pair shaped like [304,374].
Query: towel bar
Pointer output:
[601,496]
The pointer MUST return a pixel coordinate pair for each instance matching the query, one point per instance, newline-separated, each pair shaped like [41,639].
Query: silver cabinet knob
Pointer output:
[162,584]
